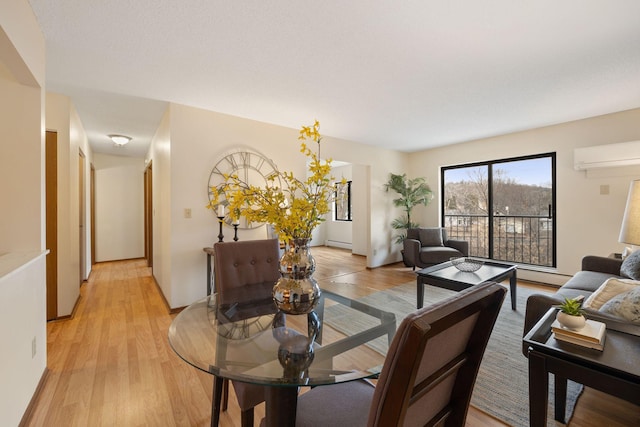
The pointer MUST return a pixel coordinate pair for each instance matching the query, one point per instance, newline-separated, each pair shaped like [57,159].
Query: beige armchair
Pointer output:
[425,247]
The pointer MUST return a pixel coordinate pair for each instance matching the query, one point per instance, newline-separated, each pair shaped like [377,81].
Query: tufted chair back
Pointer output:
[244,271]
[239,266]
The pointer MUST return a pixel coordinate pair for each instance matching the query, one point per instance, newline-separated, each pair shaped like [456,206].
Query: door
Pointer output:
[81,212]
[51,200]
[148,215]
[92,213]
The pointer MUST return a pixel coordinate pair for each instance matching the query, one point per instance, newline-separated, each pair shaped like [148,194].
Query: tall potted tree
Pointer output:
[412,192]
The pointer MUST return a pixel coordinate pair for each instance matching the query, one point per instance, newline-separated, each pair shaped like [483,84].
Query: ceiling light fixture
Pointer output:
[120,139]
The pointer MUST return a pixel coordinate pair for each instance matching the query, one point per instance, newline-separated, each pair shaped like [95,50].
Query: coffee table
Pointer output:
[615,370]
[447,276]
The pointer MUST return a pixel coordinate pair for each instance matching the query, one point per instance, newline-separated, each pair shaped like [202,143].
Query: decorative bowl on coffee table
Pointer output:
[466,264]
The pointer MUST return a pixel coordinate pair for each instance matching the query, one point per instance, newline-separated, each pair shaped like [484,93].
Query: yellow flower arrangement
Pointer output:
[294,209]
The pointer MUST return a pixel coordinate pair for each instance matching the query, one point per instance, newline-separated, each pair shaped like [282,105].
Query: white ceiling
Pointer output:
[406,75]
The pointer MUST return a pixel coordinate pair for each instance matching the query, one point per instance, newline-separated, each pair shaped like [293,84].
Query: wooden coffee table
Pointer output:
[447,276]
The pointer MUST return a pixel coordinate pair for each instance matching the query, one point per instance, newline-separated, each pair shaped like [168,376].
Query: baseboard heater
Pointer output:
[337,244]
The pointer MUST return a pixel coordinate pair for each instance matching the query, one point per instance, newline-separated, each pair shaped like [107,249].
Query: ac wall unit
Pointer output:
[607,156]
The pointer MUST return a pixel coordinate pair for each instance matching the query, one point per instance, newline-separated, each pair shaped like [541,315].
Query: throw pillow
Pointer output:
[609,289]
[631,266]
[431,237]
[626,305]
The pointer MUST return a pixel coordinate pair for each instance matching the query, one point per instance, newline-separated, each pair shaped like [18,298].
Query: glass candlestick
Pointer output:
[235,232]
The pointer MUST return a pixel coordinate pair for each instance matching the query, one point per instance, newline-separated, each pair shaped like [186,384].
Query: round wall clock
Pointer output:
[251,167]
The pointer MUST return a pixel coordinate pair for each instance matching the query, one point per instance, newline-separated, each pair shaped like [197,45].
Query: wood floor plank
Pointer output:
[111,364]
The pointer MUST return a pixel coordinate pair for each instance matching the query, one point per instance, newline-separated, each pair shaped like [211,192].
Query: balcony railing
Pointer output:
[522,239]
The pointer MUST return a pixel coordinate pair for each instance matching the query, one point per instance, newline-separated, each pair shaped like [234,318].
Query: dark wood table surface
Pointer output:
[615,370]
[447,276]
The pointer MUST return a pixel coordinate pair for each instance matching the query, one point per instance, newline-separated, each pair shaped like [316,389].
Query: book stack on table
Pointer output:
[592,335]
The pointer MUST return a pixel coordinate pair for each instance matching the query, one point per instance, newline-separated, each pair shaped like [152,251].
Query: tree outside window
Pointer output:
[342,204]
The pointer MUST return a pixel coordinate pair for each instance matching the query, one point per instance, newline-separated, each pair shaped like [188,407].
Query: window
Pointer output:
[342,204]
[504,208]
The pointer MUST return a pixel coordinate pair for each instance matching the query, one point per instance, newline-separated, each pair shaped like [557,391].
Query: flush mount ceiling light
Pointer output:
[120,139]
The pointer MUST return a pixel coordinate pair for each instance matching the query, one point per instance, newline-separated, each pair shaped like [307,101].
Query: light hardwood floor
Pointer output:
[112,365]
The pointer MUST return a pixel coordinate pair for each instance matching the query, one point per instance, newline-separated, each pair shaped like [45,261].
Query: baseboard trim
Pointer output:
[28,413]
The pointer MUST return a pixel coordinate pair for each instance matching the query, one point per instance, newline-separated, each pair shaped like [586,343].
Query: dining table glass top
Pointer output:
[248,339]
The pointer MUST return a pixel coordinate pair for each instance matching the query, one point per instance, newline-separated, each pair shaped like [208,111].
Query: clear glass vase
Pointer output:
[297,292]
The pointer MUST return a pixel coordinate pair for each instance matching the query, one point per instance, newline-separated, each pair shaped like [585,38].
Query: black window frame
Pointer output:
[490,165]
[335,202]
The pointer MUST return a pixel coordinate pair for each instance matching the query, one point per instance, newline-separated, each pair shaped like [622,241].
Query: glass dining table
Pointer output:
[247,339]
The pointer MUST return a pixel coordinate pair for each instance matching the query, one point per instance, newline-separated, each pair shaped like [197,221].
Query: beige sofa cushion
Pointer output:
[609,289]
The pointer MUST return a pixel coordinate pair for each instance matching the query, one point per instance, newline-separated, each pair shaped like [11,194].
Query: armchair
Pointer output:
[424,247]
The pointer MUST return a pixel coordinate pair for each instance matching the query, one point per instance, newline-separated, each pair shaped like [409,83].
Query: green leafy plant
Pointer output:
[413,192]
[572,307]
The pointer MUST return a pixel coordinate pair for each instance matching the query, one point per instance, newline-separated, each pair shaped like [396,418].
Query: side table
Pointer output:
[615,371]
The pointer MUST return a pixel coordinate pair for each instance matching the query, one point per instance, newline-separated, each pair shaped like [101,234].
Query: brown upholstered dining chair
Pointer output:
[241,271]
[428,374]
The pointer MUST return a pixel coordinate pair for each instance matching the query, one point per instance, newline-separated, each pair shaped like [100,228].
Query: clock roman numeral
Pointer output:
[232,161]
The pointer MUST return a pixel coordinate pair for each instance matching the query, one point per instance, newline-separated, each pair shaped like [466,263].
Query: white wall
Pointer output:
[119,204]
[22,272]
[22,325]
[587,222]
[196,139]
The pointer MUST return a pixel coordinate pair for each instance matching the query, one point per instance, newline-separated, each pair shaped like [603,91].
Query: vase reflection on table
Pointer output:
[297,292]
[295,352]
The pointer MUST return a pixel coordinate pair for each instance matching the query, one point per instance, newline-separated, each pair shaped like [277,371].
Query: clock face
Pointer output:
[251,167]
[243,329]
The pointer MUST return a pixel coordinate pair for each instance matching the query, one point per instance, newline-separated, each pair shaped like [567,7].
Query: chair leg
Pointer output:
[225,395]
[246,418]
[215,401]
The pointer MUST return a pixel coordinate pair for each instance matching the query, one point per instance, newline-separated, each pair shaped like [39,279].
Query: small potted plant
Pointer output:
[571,314]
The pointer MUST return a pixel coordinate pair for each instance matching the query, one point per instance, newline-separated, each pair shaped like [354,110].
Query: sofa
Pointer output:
[424,247]
[594,281]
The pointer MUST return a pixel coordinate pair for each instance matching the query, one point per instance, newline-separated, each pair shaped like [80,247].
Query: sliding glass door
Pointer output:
[505,208]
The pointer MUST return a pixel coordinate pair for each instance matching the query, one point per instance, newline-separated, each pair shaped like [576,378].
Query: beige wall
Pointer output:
[195,139]
[339,233]
[160,158]
[119,227]
[62,118]
[587,222]
[22,272]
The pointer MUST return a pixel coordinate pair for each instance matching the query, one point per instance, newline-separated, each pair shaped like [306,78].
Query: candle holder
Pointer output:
[235,232]
[220,235]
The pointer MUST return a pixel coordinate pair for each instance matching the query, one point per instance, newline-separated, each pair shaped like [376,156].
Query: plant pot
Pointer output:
[571,322]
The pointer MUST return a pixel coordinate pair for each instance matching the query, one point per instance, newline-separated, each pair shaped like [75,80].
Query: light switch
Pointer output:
[187,212]
[604,189]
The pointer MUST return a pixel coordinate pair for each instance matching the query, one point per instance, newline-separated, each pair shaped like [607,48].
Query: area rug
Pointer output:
[501,388]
